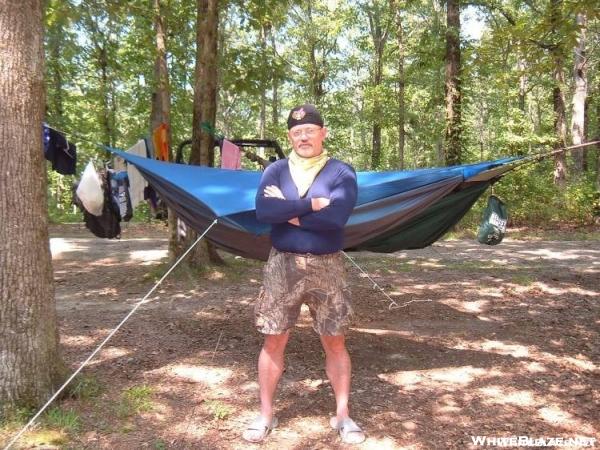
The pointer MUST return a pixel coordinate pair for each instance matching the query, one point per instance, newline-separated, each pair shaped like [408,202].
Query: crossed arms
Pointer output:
[319,213]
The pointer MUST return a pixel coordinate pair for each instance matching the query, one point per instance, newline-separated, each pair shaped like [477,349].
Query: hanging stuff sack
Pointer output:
[493,224]
[89,190]
[118,182]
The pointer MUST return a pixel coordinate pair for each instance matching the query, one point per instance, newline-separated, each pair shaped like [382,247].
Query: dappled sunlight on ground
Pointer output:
[78,341]
[500,395]
[148,256]
[201,374]
[506,346]
[108,354]
[476,306]
[58,246]
[557,416]
[501,348]
[451,378]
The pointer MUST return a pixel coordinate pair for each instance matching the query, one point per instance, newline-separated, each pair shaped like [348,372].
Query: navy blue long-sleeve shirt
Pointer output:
[320,232]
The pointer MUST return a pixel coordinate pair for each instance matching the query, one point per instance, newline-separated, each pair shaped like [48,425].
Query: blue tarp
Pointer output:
[386,200]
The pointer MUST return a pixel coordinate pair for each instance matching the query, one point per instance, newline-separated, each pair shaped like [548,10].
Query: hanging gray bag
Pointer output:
[493,224]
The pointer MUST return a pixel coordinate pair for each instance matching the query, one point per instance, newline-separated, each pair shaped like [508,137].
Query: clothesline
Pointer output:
[230,153]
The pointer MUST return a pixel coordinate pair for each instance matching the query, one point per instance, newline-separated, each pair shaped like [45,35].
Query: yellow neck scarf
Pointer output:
[305,170]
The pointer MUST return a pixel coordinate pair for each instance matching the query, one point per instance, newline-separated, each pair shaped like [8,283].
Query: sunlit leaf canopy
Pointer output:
[274,55]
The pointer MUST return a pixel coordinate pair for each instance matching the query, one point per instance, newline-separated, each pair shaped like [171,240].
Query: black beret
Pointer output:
[304,114]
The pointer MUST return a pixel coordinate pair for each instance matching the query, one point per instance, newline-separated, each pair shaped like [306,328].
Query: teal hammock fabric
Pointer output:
[395,210]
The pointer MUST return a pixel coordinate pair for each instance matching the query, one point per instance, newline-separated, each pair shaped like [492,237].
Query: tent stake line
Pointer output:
[393,304]
[89,358]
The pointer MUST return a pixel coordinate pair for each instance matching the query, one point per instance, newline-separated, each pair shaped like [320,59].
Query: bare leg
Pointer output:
[338,368]
[270,368]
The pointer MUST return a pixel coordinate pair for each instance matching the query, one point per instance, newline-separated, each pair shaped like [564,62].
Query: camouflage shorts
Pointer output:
[292,279]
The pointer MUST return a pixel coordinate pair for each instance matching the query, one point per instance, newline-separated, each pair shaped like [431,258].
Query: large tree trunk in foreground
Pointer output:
[30,364]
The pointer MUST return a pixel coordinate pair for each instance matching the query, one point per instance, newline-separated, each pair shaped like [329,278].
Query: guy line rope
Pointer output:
[89,358]
[393,305]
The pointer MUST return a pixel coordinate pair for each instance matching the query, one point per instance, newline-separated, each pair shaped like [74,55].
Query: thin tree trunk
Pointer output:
[379,36]
[105,117]
[598,145]
[317,68]
[161,112]
[558,99]
[401,88]
[263,82]
[30,362]
[579,96]
[275,86]
[521,67]
[57,110]
[453,88]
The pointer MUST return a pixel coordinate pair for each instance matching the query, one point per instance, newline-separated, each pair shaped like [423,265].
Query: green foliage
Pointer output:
[134,400]
[85,387]
[67,420]
[522,279]
[16,415]
[533,200]
[218,409]
[273,55]
[159,444]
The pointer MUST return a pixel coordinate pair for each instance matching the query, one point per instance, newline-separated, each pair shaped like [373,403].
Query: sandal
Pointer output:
[350,433]
[259,429]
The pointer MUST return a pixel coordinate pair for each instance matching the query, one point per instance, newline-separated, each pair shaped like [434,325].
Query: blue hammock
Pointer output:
[395,210]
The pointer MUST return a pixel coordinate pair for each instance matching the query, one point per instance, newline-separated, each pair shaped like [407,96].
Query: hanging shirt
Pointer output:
[320,232]
[231,156]
[160,140]
[61,153]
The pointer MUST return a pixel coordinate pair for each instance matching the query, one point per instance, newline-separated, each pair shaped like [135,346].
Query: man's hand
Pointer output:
[294,221]
[319,203]
[273,191]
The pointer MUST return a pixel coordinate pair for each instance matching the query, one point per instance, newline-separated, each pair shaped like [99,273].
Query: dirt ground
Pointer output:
[498,341]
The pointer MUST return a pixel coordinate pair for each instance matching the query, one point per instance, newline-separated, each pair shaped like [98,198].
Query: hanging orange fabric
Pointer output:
[161,142]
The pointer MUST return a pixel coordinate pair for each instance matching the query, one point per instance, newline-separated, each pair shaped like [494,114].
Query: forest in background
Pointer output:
[377,69]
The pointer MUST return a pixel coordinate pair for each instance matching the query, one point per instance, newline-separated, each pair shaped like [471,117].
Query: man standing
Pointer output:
[307,198]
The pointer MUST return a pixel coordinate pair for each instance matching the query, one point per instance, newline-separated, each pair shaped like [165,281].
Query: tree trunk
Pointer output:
[453,89]
[522,67]
[161,111]
[56,110]
[275,86]
[30,363]
[317,68]
[379,36]
[205,106]
[579,97]
[263,83]
[558,99]
[105,117]
[376,146]
[401,83]
[598,145]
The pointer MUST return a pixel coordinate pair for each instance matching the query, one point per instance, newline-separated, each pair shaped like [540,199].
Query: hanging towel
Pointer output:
[231,156]
[137,182]
[161,142]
